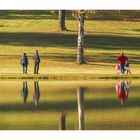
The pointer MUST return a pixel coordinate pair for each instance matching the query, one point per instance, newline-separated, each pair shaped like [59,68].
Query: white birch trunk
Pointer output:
[80,46]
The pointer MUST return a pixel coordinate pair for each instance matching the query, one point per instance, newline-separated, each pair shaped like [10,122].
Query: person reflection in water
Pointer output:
[24,91]
[36,95]
[122,89]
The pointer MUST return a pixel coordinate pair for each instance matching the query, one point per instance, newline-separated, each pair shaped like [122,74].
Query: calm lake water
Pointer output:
[70,105]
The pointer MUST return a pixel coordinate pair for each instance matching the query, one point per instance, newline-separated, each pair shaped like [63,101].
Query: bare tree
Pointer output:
[62,15]
[80,46]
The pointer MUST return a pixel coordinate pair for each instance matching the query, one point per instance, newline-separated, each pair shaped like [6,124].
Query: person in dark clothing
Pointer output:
[24,62]
[36,95]
[122,59]
[24,91]
[36,59]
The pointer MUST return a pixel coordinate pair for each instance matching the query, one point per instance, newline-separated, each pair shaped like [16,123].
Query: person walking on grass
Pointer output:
[127,68]
[36,59]
[24,62]
[122,59]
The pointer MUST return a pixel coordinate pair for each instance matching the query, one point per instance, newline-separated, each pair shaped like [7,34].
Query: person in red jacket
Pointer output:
[122,59]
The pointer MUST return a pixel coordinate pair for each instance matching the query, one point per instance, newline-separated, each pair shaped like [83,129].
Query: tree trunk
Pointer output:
[62,14]
[80,47]
[80,98]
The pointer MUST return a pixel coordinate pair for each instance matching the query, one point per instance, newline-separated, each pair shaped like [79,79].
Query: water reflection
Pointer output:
[122,89]
[80,98]
[62,121]
[36,95]
[59,99]
[24,91]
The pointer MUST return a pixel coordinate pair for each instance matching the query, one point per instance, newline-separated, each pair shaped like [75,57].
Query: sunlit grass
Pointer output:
[103,41]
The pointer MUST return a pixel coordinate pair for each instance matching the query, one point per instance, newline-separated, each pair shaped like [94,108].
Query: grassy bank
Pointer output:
[104,40]
[66,76]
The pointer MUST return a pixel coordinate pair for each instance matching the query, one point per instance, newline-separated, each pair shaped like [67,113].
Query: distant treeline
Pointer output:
[125,15]
[109,14]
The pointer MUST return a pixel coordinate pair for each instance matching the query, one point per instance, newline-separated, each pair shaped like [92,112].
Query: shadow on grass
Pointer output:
[92,60]
[70,105]
[135,30]
[106,42]
[64,41]
[38,39]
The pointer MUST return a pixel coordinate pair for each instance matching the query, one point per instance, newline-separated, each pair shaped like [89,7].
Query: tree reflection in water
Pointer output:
[80,98]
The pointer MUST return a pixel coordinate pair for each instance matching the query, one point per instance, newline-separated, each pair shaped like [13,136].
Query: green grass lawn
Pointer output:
[104,40]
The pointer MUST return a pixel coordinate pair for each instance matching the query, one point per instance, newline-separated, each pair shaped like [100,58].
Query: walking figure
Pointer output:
[36,59]
[24,62]
[118,69]
[127,68]
[36,95]
[122,59]
[24,91]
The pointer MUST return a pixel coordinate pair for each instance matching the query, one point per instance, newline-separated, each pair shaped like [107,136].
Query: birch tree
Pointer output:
[80,45]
